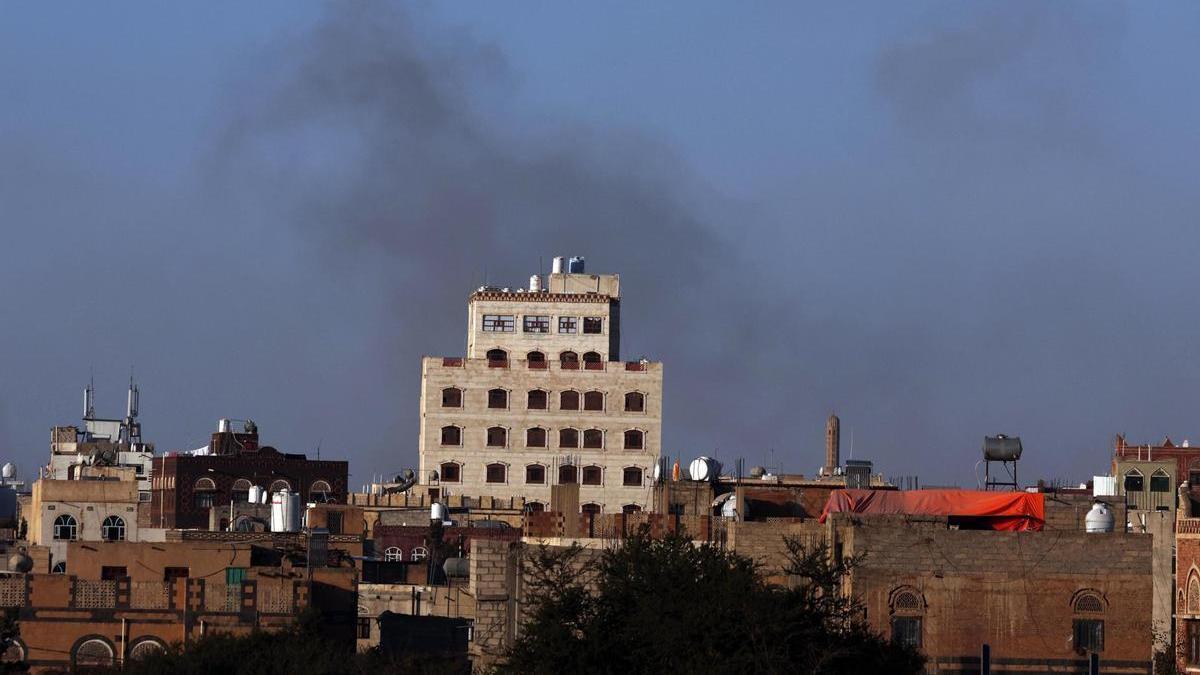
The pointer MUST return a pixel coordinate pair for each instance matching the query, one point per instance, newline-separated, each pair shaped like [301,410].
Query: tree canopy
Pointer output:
[670,605]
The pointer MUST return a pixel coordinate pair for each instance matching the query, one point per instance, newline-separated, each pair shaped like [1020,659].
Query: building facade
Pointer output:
[541,398]
[91,508]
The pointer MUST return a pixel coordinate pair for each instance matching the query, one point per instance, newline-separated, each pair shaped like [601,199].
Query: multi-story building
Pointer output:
[105,442]
[542,398]
[188,486]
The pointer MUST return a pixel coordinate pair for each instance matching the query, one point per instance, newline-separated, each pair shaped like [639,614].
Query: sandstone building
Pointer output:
[542,398]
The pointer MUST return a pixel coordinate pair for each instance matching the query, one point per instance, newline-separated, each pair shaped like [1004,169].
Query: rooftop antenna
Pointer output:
[89,398]
[133,399]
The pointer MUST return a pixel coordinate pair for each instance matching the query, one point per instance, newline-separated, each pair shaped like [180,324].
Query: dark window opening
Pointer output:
[593,325]
[633,439]
[497,398]
[1133,482]
[590,509]
[537,400]
[535,507]
[496,473]
[535,474]
[1193,643]
[535,438]
[113,573]
[569,360]
[593,438]
[203,500]
[1089,635]
[630,508]
[452,397]
[567,475]
[497,437]
[1160,483]
[451,436]
[568,400]
[497,357]
[451,473]
[568,438]
[364,628]
[593,400]
[592,475]
[635,402]
[632,477]
[906,630]
[170,573]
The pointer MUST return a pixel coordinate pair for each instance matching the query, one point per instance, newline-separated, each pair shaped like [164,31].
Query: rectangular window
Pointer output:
[593,325]
[333,522]
[1089,635]
[1133,482]
[170,573]
[568,324]
[498,323]
[536,324]
[112,573]
[144,496]
[234,575]
[1160,483]
[906,630]
[364,628]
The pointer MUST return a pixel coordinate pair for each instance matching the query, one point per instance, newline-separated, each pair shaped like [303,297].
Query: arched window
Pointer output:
[451,435]
[591,357]
[498,398]
[908,612]
[280,486]
[590,509]
[593,438]
[568,400]
[65,528]
[452,397]
[1134,482]
[497,357]
[535,357]
[631,477]
[241,490]
[451,472]
[568,361]
[567,475]
[419,553]
[112,529]
[320,490]
[537,399]
[204,492]
[535,438]
[535,507]
[143,647]
[592,475]
[634,439]
[535,474]
[205,484]
[568,438]
[1160,481]
[496,473]
[59,568]
[93,652]
[1088,622]
[631,508]
[393,554]
[635,401]
[593,400]
[497,437]
[1192,601]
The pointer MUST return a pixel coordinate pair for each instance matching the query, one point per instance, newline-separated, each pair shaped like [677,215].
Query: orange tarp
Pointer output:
[1017,511]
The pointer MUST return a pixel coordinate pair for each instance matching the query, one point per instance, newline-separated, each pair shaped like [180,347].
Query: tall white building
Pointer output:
[542,397]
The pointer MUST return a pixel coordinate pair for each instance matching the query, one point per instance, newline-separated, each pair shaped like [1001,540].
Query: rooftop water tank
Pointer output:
[285,511]
[8,470]
[1001,448]
[575,265]
[255,495]
[704,468]
[438,512]
[456,567]
[1099,519]
[535,283]
[557,266]
[223,426]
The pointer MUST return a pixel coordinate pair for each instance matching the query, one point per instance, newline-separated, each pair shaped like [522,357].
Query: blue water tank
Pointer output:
[575,265]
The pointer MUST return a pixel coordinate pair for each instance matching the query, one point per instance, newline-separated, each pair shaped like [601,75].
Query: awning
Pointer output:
[1014,511]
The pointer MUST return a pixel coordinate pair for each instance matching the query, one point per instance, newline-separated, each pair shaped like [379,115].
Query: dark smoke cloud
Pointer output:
[419,188]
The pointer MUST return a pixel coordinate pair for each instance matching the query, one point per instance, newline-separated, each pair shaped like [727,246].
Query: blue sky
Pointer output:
[938,220]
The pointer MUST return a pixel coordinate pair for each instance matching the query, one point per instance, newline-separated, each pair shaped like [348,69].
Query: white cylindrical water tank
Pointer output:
[8,470]
[255,495]
[1099,519]
[557,266]
[535,283]
[438,512]
[285,511]
[704,468]
[223,425]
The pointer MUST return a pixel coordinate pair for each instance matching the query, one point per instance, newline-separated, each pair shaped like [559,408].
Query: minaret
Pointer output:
[832,445]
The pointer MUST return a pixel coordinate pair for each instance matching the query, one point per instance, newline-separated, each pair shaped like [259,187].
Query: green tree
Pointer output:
[669,605]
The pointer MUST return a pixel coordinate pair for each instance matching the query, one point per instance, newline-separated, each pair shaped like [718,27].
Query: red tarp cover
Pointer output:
[1016,511]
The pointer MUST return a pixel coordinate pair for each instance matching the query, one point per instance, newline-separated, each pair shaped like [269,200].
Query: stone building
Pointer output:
[542,398]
